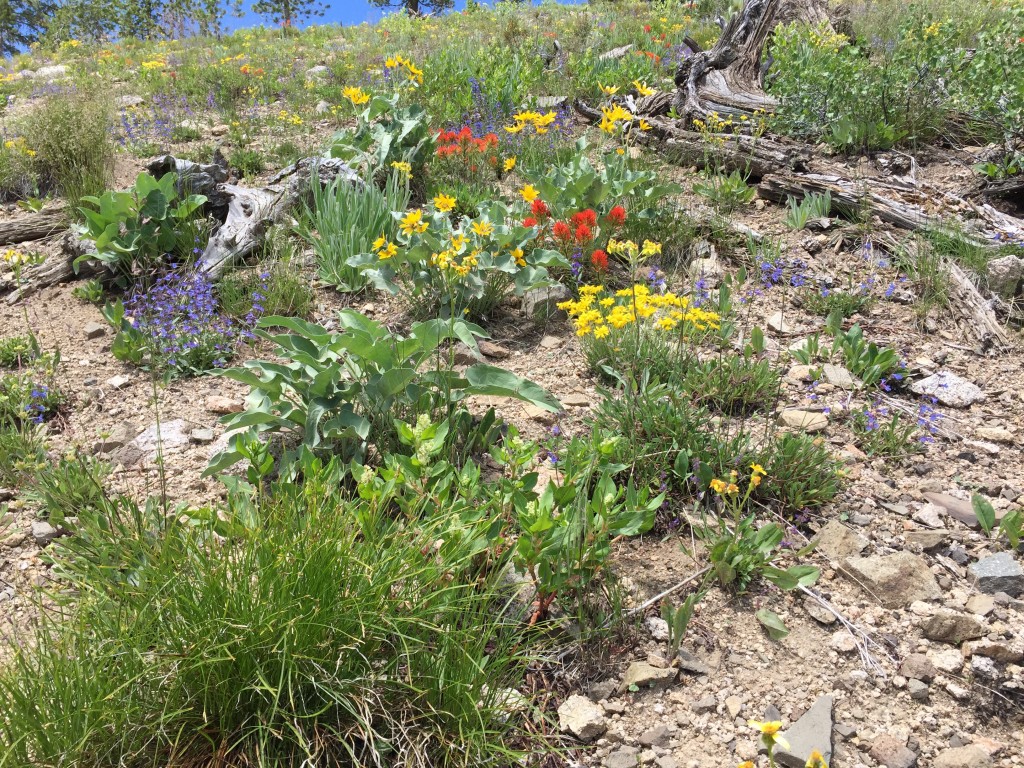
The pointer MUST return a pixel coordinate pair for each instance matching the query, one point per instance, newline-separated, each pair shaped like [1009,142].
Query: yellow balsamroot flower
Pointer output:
[515,128]
[816,760]
[758,469]
[644,125]
[529,193]
[444,203]
[356,95]
[379,243]
[612,116]
[482,228]
[608,90]
[402,167]
[770,732]
[458,242]
[517,254]
[412,222]
[509,164]
[154,64]
[642,88]
[389,251]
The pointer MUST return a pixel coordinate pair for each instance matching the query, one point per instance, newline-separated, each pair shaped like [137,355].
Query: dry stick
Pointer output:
[860,637]
[643,607]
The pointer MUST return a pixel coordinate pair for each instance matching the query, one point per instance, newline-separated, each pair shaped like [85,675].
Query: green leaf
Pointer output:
[772,623]
[491,380]
[984,511]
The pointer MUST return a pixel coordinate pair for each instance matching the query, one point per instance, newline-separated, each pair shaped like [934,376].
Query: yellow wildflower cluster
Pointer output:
[597,312]
[402,167]
[19,146]
[540,122]
[289,117]
[825,37]
[444,203]
[229,59]
[730,488]
[154,64]
[631,250]
[384,249]
[413,73]
[643,88]
[449,258]
[932,30]
[614,115]
[16,258]
[413,223]
[356,95]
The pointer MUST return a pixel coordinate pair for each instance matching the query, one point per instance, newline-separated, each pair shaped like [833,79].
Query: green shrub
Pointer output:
[18,179]
[22,451]
[68,487]
[733,384]
[248,162]
[282,287]
[17,351]
[801,472]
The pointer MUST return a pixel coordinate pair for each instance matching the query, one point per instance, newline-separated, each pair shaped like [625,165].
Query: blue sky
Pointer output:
[343,12]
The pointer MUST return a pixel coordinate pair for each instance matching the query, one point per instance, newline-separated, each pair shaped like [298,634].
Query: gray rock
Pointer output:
[43,532]
[201,436]
[959,509]
[657,626]
[690,663]
[837,542]
[997,573]
[171,436]
[811,732]
[582,718]
[551,102]
[919,667]
[319,72]
[838,376]
[94,330]
[623,757]
[616,53]
[604,689]
[706,704]
[918,690]
[896,580]
[952,627]
[930,515]
[927,540]
[948,660]
[654,737]
[963,757]
[119,382]
[1002,651]
[818,612]
[949,389]
[1004,276]
[984,667]
[465,355]
[777,323]
[808,421]
[541,303]
[128,100]
[52,72]
[118,437]
[892,752]
[643,675]
[666,761]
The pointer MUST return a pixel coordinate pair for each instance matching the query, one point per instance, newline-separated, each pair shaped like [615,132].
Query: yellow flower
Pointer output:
[732,488]
[444,203]
[609,90]
[458,241]
[816,760]
[387,252]
[758,469]
[644,125]
[356,95]
[413,222]
[642,88]
[601,331]
[515,128]
[530,193]
[770,732]
[379,243]
[718,486]
[746,764]
[650,248]
[517,255]
[510,163]
[402,167]
[482,228]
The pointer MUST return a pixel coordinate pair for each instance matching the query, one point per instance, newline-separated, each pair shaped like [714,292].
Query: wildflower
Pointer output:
[509,164]
[561,231]
[402,167]
[758,469]
[644,125]
[650,248]
[379,243]
[444,203]
[482,228]
[718,486]
[387,252]
[642,88]
[529,193]
[517,255]
[609,90]
[515,128]
[588,217]
[540,209]
[770,733]
[529,221]
[600,260]
[616,216]
[356,95]
[816,760]
[413,222]
[583,234]
[732,488]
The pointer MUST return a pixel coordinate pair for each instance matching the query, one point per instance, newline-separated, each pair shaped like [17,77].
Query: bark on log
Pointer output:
[33,226]
[58,268]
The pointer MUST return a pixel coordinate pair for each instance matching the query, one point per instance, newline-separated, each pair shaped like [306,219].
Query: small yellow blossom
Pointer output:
[642,88]
[529,193]
[402,167]
[356,95]
[517,255]
[609,90]
[413,222]
[509,164]
[816,760]
[379,243]
[482,228]
[444,203]
[770,732]
[718,486]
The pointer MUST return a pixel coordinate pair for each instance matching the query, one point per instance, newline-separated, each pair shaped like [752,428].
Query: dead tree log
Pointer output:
[33,226]
[58,268]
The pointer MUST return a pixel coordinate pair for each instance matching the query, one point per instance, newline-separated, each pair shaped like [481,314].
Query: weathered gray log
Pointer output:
[58,268]
[33,226]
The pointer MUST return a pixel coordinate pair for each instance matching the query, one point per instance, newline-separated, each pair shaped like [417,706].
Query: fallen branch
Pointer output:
[862,639]
[33,226]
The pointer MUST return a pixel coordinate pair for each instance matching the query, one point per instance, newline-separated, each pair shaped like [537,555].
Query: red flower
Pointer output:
[616,216]
[540,209]
[529,221]
[584,234]
[647,27]
[588,217]
[600,260]
[561,231]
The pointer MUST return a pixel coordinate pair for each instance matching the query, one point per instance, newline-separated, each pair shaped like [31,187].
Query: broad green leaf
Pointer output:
[771,622]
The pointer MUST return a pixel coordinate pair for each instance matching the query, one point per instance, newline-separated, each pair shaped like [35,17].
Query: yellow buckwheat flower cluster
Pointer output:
[19,145]
[455,257]
[597,312]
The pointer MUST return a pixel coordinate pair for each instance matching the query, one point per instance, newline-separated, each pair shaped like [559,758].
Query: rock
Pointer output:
[777,323]
[844,642]
[169,437]
[896,580]
[623,757]
[818,612]
[551,102]
[541,303]
[223,405]
[657,660]
[550,342]
[119,382]
[577,400]
[43,532]
[808,421]
[615,53]
[837,542]
[490,349]
[949,389]
[128,101]
[927,540]
[996,434]
[705,704]
[538,414]
[800,373]
[221,129]
[957,691]
[952,627]
[465,355]
[319,72]
[654,737]
[94,330]
[119,436]
[930,515]
[1003,652]
[971,756]
[201,436]
[838,376]
[892,752]
[690,663]
[984,667]
[643,675]
[997,573]
[918,690]
[582,718]
[602,690]
[980,605]
[52,72]
[919,667]
[1004,276]
[322,107]
[15,540]
[733,705]
[811,732]
[992,747]
[666,761]
[948,660]
[959,509]
[658,627]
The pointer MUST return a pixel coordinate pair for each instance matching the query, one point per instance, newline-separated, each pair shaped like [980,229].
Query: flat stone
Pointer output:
[896,580]
[948,660]
[690,663]
[490,349]
[119,382]
[201,436]
[892,752]
[119,436]
[992,747]
[952,627]
[1002,651]
[319,72]
[655,737]
[997,573]
[843,641]
[15,540]
[818,612]
[800,373]
[949,389]
[808,421]
[171,436]
[918,690]
[971,756]
[837,542]
[538,414]
[128,100]
[541,303]
[604,689]
[94,330]
[43,533]
[918,666]
[980,605]
[927,540]
[616,53]
[733,705]
[623,757]
[643,675]
[223,405]
[996,434]
[811,732]
[777,323]
[582,718]
[658,627]
[577,400]
[550,342]
[959,509]
[930,515]
[838,376]
[1004,275]
[706,704]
